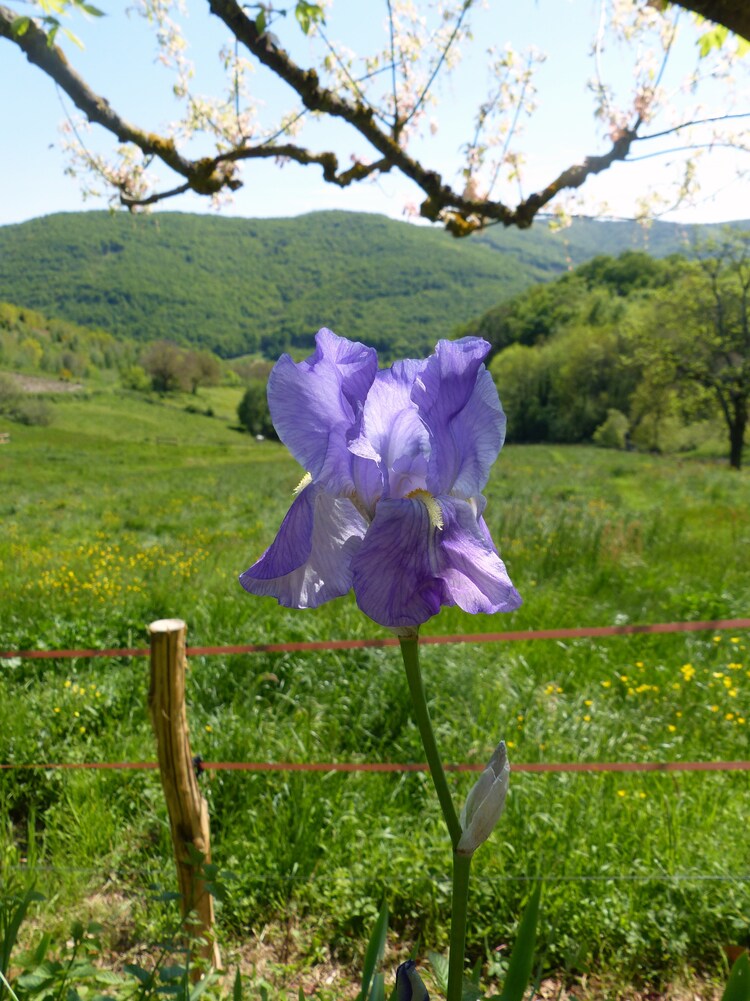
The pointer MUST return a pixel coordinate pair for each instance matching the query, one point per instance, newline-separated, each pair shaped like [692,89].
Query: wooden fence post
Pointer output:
[188,810]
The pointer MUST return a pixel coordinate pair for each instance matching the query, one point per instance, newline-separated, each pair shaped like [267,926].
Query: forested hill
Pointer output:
[243,285]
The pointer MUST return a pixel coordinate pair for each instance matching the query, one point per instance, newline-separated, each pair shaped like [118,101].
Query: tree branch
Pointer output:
[459,214]
[732,14]
[201,175]
[288,151]
[212,174]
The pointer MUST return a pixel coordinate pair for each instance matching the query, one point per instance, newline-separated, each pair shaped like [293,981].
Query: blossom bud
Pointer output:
[409,986]
[485,802]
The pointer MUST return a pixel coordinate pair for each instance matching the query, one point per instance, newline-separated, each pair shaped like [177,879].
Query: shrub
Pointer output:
[253,412]
[32,411]
[135,377]
[10,394]
[613,433]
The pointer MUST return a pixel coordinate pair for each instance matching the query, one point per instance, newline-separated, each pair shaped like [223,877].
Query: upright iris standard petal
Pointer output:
[392,433]
[309,562]
[315,404]
[459,404]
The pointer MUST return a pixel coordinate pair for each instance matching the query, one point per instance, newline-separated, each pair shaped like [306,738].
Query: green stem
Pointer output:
[410,653]
[459,906]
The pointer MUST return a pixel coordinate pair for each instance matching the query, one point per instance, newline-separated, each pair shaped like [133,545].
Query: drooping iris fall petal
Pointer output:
[309,561]
[474,576]
[393,571]
[427,564]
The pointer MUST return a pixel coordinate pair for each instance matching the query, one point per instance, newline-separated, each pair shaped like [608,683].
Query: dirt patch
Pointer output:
[279,958]
[37,384]
[286,957]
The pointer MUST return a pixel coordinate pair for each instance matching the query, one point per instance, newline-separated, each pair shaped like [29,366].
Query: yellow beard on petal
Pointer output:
[433,507]
[304,482]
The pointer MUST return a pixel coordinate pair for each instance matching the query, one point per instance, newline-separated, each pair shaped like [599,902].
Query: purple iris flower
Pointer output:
[392,504]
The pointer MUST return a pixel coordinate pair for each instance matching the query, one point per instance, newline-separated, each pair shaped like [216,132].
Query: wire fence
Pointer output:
[388,766]
[584,632]
[305,877]
[327,767]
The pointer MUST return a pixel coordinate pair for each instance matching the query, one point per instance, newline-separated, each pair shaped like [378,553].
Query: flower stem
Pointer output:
[459,906]
[461,863]
[410,653]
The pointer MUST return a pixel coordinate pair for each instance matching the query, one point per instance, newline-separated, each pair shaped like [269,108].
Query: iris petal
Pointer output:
[316,404]
[474,576]
[394,570]
[309,562]
[407,567]
[459,404]
[291,547]
[392,433]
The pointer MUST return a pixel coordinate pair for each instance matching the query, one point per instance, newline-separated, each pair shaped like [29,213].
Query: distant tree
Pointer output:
[165,364]
[10,393]
[523,379]
[135,377]
[563,388]
[697,335]
[533,316]
[32,410]
[613,432]
[253,412]
[201,368]
[632,270]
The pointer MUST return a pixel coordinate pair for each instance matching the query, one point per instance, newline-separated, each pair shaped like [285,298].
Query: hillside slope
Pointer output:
[243,285]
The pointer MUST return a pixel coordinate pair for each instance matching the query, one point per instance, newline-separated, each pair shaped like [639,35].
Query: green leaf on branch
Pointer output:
[738,985]
[308,14]
[20,26]
[713,39]
[73,38]
[716,38]
[522,958]
[260,23]
[143,976]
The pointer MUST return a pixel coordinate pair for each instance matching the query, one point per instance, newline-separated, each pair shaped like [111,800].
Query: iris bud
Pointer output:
[409,986]
[485,802]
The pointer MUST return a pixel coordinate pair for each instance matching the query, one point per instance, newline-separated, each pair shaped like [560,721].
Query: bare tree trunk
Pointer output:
[737,440]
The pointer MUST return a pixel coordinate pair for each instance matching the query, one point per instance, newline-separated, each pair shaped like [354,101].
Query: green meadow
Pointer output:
[123,511]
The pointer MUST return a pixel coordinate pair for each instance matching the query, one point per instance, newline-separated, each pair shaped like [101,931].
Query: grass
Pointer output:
[124,511]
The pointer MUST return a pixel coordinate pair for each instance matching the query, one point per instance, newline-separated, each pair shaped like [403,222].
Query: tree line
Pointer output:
[629,350]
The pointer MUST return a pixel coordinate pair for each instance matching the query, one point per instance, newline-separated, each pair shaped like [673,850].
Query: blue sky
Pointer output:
[118,61]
